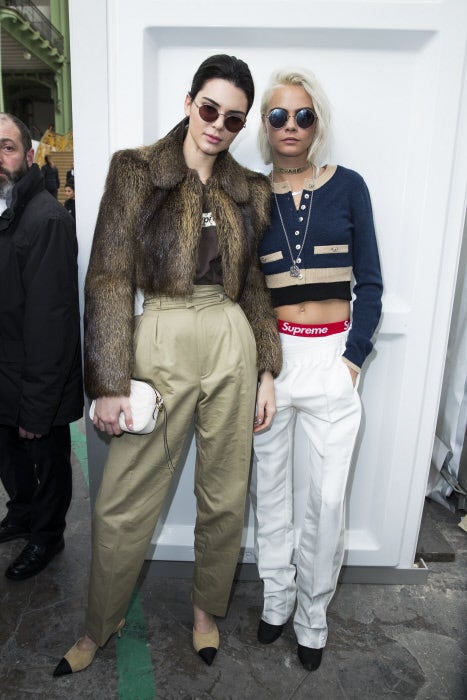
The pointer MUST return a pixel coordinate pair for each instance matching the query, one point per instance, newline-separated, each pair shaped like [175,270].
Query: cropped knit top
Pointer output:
[339,258]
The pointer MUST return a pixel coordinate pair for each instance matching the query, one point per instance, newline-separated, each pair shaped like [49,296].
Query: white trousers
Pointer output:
[314,386]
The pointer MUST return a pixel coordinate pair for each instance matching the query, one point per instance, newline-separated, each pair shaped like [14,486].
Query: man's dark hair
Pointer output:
[23,130]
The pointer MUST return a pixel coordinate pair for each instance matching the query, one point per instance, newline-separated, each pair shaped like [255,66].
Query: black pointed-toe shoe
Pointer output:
[9,531]
[33,559]
[267,634]
[77,659]
[206,644]
[310,658]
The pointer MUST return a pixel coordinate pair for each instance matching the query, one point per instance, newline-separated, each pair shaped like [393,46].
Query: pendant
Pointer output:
[295,272]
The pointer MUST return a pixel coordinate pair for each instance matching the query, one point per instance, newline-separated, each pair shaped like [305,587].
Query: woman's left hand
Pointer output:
[265,403]
[353,374]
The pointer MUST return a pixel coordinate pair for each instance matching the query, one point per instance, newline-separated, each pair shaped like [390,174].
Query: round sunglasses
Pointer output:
[209,113]
[279,117]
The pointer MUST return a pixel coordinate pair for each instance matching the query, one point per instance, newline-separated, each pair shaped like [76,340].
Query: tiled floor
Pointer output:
[394,641]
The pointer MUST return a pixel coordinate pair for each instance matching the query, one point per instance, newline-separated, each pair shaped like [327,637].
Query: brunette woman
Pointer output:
[319,250]
[180,220]
[69,203]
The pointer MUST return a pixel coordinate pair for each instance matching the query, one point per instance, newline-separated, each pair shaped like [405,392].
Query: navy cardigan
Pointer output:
[340,246]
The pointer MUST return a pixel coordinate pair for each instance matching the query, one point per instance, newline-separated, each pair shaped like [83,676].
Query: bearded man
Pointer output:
[40,354]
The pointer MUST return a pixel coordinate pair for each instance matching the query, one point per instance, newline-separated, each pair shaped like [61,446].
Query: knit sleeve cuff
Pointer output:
[350,364]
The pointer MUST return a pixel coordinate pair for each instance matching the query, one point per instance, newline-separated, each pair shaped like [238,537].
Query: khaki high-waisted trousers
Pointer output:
[200,353]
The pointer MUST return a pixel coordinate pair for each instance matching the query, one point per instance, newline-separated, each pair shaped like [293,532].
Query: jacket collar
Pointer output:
[24,190]
[168,168]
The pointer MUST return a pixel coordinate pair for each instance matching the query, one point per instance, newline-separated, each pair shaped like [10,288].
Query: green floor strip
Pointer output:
[78,445]
[134,664]
[135,672]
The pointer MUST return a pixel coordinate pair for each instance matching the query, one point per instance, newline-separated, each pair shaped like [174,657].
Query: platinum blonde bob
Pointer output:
[308,81]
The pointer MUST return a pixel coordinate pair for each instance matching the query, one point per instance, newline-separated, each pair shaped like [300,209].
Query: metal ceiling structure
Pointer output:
[35,62]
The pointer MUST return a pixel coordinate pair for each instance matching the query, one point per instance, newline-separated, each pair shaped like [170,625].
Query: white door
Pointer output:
[394,73]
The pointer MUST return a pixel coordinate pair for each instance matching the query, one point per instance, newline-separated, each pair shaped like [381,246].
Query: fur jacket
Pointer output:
[147,237]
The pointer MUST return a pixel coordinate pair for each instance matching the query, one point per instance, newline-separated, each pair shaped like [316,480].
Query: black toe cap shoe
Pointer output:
[208,654]
[9,531]
[309,658]
[267,634]
[33,559]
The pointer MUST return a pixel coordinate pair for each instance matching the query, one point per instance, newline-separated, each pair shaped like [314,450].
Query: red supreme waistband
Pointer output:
[305,330]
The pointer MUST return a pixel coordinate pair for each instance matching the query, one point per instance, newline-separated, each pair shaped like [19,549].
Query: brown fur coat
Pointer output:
[147,236]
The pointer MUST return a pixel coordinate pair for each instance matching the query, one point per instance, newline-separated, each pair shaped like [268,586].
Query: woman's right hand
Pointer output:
[107,414]
[265,402]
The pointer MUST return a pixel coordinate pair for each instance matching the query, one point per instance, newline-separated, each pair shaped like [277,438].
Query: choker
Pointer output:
[290,171]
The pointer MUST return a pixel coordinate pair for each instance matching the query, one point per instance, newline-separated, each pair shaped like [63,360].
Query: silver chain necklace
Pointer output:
[294,269]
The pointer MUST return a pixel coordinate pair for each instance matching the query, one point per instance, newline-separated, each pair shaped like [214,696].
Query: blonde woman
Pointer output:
[319,252]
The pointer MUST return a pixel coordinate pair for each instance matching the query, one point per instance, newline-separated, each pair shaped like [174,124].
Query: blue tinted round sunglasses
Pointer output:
[279,117]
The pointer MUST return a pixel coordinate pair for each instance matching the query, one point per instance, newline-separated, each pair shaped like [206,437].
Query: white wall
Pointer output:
[395,75]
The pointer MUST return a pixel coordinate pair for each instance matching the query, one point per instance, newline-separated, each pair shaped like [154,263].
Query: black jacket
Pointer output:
[51,179]
[40,350]
[70,206]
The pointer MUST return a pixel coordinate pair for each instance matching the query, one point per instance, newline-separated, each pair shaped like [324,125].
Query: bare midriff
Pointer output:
[315,312]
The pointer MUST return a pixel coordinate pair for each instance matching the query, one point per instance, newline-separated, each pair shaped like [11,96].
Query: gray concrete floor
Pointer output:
[397,641]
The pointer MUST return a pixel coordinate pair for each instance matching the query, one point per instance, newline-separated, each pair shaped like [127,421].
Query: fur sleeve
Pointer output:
[255,300]
[110,280]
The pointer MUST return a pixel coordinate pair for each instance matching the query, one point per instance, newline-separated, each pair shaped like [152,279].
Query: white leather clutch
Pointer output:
[145,403]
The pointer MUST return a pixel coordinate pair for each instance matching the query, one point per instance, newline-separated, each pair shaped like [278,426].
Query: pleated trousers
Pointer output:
[200,352]
[316,388]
